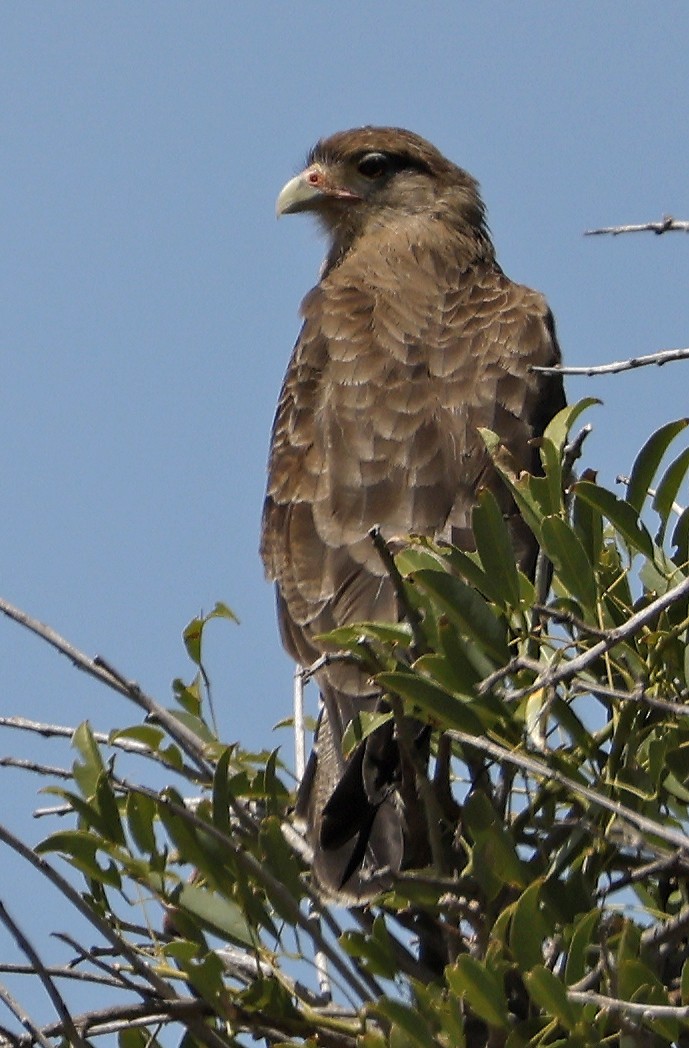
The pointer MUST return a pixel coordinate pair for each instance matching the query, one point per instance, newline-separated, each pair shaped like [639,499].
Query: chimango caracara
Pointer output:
[412,339]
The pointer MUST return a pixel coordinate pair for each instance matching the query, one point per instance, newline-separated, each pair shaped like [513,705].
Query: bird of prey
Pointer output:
[412,339]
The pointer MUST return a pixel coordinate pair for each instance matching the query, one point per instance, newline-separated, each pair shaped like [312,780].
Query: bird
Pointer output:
[411,341]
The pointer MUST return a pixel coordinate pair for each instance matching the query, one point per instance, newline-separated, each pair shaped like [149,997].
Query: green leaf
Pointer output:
[88,811]
[668,489]
[467,567]
[147,734]
[588,525]
[218,915]
[680,540]
[557,430]
[188,695]
[459,672]
[494,859]
[87,772]
[268,997]
[529,928]
[374,949]
[407,1019]
[447,710]
[360,727]
[549,993]
[468,610]
[648,460]
[636,982]
[221,611]
[519,483]
[684,984]
[81,849]
[192,637]
[496,550]
[573,567]
[140,811]
[551,484]
[110,815]
[578,961]
[481,989]
[621,515]
[280,859]
[221,814]
[184,835]
[386,632]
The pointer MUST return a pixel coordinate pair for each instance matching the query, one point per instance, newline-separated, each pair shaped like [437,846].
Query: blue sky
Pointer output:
[149,298]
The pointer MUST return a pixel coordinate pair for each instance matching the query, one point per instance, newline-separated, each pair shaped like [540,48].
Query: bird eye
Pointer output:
[374,165]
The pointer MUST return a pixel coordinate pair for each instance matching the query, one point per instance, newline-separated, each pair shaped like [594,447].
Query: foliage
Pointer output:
[555,909]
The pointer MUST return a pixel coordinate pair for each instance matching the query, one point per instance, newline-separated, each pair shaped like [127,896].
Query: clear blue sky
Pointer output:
[149,298]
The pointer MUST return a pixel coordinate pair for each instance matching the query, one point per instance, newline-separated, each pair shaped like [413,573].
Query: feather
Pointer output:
[412,340]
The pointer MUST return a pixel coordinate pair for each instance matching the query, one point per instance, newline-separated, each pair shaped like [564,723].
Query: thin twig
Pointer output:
[258,871]
[146,971]
[24,1018]
[614,1004]
[541,770]
[638,694]
[562,616]
[664,356]
[408,610]
[40,970]
[572,451]
[556,673]
[113,972]
[41,769]
[100,669]
[667,224]
[62,972]
[135,746]
[120,1017]
[663,935]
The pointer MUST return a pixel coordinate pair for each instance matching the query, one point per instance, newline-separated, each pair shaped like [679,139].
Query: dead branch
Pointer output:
[664,356]
[667,224]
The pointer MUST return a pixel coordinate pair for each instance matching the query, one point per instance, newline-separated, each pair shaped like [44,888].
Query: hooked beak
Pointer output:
[306,190]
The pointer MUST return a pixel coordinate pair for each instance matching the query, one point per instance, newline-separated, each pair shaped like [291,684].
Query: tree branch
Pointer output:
[100,669]
[663,356]
[667,224]
[554,674]
[40,970]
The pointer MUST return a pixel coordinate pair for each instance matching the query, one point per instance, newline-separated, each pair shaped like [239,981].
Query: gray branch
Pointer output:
[667,224]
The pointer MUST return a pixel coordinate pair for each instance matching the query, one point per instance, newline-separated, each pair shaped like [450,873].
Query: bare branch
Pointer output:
[663,356]
[547,772]
[258,871]
[147,972]
[50,770]
[40,970]
[555,673]
[645,1011]
[408,610]
[24,1018]
[667,224]
[66,731]
[119,1017]
[98,667]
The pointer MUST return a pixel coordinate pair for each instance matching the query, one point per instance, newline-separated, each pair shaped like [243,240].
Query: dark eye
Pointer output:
[374,165]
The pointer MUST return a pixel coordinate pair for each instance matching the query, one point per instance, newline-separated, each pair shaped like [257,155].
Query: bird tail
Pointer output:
[356,822]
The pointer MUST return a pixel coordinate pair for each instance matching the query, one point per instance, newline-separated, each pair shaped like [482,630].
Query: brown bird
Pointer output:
[412,339]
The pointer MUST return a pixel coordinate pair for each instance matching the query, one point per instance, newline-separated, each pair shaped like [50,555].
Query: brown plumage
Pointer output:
[412,340]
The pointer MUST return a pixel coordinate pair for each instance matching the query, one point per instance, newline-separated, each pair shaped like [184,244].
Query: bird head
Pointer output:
[371,175]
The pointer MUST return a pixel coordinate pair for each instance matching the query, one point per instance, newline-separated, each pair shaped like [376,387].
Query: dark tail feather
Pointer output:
[356,822]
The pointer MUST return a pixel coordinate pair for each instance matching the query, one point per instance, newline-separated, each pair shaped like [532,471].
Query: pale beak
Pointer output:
[307,190]
[299,194]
